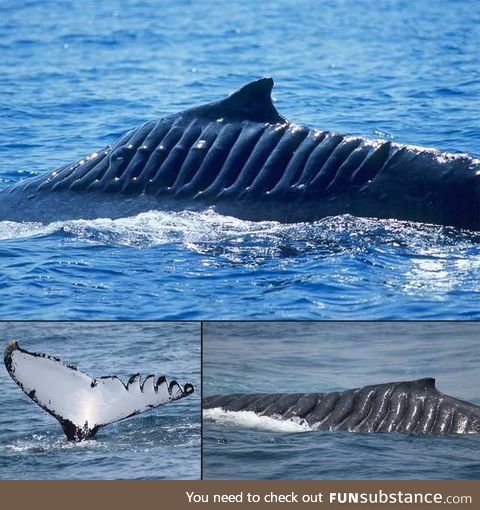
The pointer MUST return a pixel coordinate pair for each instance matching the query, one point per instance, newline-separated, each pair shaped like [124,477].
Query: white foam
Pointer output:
[42,444]
[203,231]
[152,227]
[249,419]
[14,230]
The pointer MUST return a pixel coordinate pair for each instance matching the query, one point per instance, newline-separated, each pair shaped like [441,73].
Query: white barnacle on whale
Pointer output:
[83,405]
[201,144]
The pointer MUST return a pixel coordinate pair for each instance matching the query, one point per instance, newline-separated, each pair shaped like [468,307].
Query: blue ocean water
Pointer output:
[161,444]
[75,75]
[330,356]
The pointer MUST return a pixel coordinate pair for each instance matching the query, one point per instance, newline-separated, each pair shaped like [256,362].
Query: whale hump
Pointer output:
[81,404]
[252,102]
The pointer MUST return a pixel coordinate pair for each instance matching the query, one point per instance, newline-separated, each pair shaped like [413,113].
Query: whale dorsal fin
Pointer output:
[81,404]
[426,382]
[251,102]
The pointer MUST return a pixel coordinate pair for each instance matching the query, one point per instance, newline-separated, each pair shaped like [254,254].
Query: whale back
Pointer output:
[415,407]
[241,156]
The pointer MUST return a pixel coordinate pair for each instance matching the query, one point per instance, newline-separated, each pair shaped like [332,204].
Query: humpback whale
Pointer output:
[81,404]
[240,156]
[408,407]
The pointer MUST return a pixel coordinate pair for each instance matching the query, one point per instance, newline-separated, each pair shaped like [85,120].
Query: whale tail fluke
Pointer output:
[83,405]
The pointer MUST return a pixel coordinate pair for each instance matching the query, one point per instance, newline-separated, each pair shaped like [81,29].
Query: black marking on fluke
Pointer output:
[242,157]
[409,407]
[85,430]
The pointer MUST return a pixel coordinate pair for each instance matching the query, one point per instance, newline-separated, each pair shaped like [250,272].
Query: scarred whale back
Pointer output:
[241,156]
[415,407]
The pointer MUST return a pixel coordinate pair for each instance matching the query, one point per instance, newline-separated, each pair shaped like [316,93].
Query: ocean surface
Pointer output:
[160,444]
[75,75]
[309,357]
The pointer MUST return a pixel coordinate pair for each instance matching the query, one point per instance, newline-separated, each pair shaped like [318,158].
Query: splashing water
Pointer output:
[184,260]
[249,419]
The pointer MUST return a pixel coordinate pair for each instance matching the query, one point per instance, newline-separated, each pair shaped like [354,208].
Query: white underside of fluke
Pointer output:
[87,403]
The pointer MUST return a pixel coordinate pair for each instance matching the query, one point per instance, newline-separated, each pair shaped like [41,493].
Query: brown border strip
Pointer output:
[128,494]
